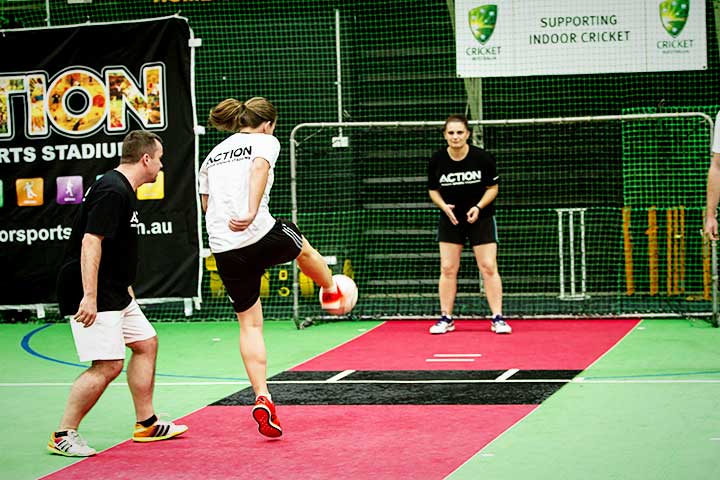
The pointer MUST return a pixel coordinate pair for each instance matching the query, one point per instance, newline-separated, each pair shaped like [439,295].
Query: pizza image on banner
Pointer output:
[64,113]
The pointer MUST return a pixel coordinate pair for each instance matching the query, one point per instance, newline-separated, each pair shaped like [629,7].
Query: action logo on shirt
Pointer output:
[241,153]
[460,178]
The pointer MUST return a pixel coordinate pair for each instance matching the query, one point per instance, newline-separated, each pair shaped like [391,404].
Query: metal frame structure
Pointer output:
[295,142]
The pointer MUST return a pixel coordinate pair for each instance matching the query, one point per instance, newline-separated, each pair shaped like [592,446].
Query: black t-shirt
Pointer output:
[463,183]
[108,210]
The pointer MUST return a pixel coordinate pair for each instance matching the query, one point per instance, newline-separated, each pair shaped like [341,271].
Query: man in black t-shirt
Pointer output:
[109,211]
[463,183]
[95,291]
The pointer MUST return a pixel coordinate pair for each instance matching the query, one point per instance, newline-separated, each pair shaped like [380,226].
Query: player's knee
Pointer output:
[147,346]
[309,255]
[109,369]
[488,269]
[449,271]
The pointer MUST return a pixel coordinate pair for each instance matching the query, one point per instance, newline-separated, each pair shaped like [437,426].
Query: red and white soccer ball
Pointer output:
[348,299]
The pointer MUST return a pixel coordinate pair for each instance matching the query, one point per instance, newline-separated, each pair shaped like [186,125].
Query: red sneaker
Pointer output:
[264,414]
[331,301]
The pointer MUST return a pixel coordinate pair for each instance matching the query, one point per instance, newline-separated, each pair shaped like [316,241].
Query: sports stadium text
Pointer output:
[49,153]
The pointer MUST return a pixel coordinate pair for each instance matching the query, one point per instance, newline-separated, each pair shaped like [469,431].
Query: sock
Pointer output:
[447,318]
[149,421]
[267,395]
[332,289]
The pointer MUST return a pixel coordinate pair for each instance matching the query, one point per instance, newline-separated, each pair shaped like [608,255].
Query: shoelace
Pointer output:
[76,438]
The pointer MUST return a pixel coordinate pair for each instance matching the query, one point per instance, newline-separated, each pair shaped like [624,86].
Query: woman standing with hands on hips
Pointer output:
[463,183]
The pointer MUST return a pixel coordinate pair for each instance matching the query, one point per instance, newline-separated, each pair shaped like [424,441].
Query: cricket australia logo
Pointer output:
[674,15]
[482,22]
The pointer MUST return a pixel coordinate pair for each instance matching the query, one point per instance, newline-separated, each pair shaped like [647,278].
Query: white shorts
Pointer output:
[106,338]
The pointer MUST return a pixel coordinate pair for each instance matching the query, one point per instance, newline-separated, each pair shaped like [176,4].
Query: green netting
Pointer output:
[559,214]
[398,63]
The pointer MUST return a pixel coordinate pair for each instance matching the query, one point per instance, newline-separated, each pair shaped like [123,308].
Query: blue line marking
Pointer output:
[25,344]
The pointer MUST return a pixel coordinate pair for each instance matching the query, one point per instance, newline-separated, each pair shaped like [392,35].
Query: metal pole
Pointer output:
[582,253]
[517,121]
[571,241]
[713,255]
[294,216]
[560,253]
[338,63]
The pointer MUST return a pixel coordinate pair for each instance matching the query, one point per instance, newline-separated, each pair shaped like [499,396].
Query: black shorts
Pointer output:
[242,269]
[483,231]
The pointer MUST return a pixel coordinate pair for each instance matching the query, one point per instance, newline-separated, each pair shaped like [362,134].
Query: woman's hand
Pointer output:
[242,223]
[448,209]
[473,214]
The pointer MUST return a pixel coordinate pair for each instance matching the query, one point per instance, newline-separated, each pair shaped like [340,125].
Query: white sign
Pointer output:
[510,38]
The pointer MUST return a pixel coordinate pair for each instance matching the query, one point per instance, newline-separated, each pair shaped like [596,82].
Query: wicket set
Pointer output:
[570,215]
[675,238]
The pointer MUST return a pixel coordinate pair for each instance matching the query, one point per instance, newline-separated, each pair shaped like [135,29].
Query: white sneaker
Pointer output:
[499,325]
[442,326]
[70,445]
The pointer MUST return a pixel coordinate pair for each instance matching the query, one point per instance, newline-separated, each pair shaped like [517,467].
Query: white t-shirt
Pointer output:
[716,135]
[225,177]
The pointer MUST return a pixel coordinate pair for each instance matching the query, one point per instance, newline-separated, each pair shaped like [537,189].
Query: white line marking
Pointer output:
[507,375]
[717,439]
[412,382]
[340,375]
[449,359]
[122,384]
[444,355]
[585,381]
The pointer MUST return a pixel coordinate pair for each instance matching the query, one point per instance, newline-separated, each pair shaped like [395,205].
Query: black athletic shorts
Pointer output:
[483,231]
[242,269]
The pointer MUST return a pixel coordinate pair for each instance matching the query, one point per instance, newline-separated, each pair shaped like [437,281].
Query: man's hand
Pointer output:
[87,312]
[711,227]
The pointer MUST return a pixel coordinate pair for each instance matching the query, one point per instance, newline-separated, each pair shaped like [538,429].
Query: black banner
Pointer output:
[68,97]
